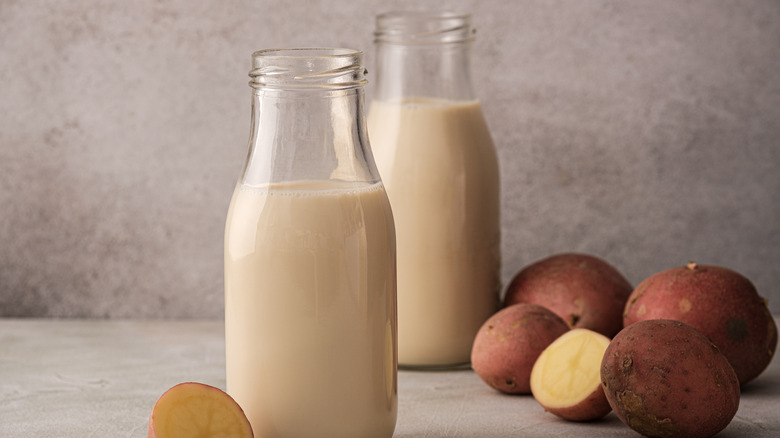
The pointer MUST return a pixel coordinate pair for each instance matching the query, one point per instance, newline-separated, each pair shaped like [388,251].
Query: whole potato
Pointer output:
[509,342]
[584,290]
[664,378]
[719,302]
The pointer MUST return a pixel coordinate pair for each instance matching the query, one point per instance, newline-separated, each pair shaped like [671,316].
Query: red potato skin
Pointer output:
[719,302]
[664,378]
[509,342]
[584,290]
[592,408]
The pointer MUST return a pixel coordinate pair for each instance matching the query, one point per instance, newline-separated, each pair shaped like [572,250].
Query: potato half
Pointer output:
[193,409]
[566,377]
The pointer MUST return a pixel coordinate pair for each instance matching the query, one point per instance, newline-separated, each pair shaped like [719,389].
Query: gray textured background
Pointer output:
[644,132]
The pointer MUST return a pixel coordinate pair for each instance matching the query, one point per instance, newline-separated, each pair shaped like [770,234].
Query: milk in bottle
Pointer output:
[310,262]
[438,163]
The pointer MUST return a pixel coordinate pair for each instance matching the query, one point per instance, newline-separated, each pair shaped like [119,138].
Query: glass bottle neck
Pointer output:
[423,55]
[307,119]
[432,71]
[310,135]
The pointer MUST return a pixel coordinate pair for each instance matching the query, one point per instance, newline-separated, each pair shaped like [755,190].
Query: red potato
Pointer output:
[719,302]
[509,342]
[584,290]
[190,410]
[664,378]
[566,378]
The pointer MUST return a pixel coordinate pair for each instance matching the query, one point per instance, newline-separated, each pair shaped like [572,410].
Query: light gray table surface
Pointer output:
[100,378]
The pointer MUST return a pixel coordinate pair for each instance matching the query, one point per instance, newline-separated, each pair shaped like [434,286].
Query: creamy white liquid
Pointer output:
[437,161]
[310,309]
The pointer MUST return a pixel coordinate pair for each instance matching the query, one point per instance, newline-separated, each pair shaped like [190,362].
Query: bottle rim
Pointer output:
[307,68]
[423,27]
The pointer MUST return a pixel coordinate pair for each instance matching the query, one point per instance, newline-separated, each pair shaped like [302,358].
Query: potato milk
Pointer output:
[437,161]
[309,275]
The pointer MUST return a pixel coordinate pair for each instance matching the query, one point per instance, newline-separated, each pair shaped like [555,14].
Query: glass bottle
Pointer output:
[439,166]
[310,317]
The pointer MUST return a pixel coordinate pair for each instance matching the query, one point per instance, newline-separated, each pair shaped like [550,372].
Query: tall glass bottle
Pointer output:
[310,317]
[437,160]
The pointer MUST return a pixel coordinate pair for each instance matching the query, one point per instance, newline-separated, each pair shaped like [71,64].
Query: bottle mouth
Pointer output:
[423,27]
[307,68]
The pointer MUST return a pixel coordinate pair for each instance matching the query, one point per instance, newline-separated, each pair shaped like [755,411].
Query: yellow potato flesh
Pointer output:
[568,370]
[193,410]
